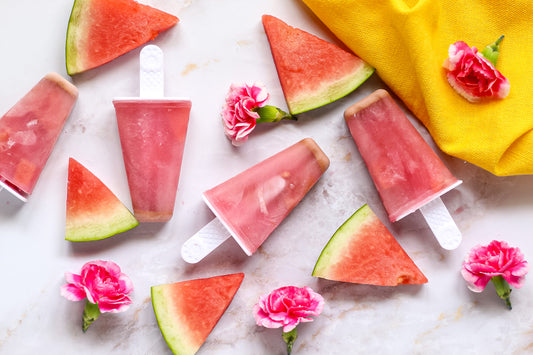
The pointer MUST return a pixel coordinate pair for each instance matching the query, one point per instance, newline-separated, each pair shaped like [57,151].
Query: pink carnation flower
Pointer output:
[104,285]
[288,306]
[239,113]
[472,75]
[496,259]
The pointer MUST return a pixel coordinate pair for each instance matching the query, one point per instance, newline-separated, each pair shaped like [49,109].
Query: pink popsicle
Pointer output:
[406,171]
[253,203]
[152,136]
[29,130]
[152,131]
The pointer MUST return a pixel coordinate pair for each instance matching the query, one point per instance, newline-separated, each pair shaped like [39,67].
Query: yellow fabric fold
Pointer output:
[407,42]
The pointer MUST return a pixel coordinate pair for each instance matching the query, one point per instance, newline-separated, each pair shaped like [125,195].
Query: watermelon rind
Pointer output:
[363,251]
[100,31]
[330,91]
[206,300]
[339,241]
[93,216]
[107,226]
[73,33]
[312,72]
[172,332]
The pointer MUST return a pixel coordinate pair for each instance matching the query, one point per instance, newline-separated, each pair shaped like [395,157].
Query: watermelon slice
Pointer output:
[93,211]
[188,311]
[102,30]
[363,251]
[312,72]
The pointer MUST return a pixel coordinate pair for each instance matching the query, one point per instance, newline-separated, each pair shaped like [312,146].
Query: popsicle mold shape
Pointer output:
[406,171]
[29,131]
[252,204]
[152,131]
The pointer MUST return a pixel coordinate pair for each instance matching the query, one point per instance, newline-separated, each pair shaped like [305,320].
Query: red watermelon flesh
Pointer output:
[312,71]
[363,251]
[102,30]
[93,211]
[188,311]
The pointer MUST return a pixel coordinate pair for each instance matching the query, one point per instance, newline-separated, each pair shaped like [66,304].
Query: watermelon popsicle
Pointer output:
[152,132]
[406,171]
[252,204]
[29,131]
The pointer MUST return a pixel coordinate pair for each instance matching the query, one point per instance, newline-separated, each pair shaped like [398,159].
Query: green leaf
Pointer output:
[503,289]
[290,338]
[269,113]
[90,314]
[492,51]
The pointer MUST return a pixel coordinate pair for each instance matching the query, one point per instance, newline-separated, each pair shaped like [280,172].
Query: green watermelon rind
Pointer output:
[73,32]
[312,72]
[376,258]
[170,330]
[174,326]
[331,91]
[101,227]
[338,241]
[80,37]
[106,216]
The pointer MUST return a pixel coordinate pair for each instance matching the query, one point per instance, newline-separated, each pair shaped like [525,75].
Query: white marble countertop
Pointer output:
[218,42]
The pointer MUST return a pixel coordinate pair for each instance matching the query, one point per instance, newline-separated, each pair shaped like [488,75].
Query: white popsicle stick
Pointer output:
[204,241]
[151,73]
[441,223]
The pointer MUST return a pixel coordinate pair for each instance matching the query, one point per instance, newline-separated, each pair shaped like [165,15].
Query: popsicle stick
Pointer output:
[441,223]
[151,73]
[204,241]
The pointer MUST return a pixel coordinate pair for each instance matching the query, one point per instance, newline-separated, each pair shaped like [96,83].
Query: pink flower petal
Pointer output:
[114,305]
[472,75]
[287,306]
[495,259]
[72,278]
[103,283]
[238,113]
[72,292]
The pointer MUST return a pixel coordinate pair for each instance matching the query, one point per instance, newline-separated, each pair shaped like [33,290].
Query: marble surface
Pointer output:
[218,42]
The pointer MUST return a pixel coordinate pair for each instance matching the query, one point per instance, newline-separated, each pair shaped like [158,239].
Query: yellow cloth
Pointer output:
[407,42]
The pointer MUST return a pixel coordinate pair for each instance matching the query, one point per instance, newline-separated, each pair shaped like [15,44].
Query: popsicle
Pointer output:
[406,171]
[252,204]
[152,131]
[29,131]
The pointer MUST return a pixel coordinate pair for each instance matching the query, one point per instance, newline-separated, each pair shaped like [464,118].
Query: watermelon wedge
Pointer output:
[188,311]
[312,72]
[363,251]
[102,30]
[93,211]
